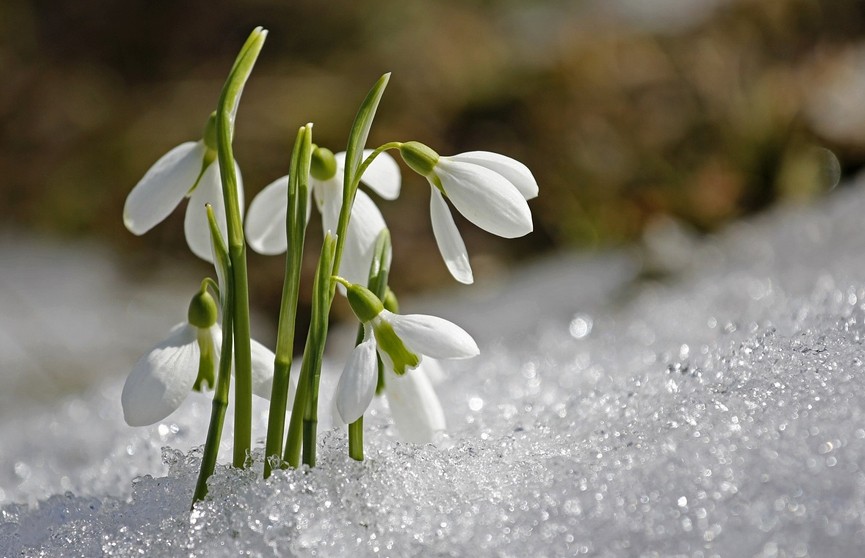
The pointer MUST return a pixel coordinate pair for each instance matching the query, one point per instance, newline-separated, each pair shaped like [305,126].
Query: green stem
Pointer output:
[217,415]
[223,378]
[323,290]
[355,439]
[225,115]
[298,186]
[376,152]
[242,360]
[294,438]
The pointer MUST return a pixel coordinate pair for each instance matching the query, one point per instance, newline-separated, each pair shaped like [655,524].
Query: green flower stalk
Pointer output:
[225,115]
[303,426]
[297,194]
[223,379]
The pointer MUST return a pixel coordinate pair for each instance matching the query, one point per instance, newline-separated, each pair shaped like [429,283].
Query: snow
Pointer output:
[718,413]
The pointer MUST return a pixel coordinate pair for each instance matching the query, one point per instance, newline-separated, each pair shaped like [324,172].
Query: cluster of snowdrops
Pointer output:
[395,354]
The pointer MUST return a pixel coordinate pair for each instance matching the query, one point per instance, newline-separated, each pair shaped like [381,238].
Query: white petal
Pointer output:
[448,239]
[162,379]
[364,225]
[209,190]
[416,409]
[262,369]
[335,420]
[328,199]
[163,186]
[265,221]
[382,175]
[356,386]
[485,198]
[432,336]
[517,173]
[433,370]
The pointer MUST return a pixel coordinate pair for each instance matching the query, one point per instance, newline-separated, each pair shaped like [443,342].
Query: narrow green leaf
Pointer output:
[360,129]
[298,185]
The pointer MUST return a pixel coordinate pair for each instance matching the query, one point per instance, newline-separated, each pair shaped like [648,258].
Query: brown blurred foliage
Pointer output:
[624,109]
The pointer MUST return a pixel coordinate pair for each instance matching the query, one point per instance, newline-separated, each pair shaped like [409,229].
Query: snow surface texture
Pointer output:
[719,414]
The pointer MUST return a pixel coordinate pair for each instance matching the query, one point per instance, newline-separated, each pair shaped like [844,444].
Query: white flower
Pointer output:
[489,189]
[413,403]
[265,221]
[189,171]
[400,341]
[162,378]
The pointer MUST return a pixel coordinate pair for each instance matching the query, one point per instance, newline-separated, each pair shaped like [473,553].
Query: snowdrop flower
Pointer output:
[400,341]
[185,360]
[190,170]
[489,189]
[265,221]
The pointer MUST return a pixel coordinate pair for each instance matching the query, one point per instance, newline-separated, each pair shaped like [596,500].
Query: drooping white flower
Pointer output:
[189,170]
[400,341]
[489,189]
[162,379]
[265,221]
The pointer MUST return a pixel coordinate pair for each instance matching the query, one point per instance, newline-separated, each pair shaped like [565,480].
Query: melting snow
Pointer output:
[718,414]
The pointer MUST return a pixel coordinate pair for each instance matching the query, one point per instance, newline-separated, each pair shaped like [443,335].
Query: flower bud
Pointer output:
[203,310]
[323,164]
[419,157]
[364,303]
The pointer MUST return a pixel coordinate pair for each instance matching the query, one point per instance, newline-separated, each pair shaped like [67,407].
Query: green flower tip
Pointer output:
[202,310]
[206,378]
[323,163]
[365,305]
[419,157]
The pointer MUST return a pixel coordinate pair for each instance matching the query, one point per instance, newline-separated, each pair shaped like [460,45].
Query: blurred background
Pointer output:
[632,114]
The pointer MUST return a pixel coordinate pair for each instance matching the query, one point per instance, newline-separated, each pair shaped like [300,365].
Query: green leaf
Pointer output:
[226,111]
[360,129]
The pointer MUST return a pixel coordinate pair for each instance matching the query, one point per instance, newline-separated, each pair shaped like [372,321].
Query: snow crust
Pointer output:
[717,413]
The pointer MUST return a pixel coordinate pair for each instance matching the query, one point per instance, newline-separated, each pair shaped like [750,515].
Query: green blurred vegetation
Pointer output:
[624,109]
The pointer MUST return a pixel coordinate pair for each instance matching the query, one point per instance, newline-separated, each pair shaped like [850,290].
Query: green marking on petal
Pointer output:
[206,161]
[389,342]
[206,365]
